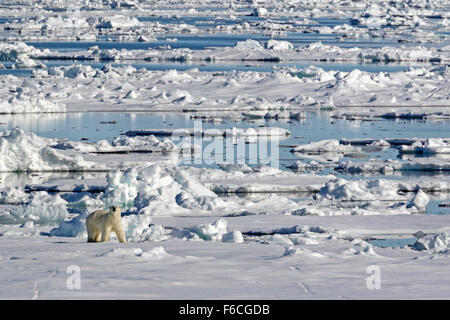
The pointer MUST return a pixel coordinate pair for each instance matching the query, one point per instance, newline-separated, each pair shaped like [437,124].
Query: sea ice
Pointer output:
[437,243]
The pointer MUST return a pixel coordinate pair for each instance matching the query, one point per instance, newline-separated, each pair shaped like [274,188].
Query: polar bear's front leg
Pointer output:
[106,231]
[118,230]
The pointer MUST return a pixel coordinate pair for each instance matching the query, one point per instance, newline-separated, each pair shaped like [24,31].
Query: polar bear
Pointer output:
[100,223]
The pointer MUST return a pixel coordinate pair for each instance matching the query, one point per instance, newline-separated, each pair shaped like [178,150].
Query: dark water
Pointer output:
[94,126]
[393,243]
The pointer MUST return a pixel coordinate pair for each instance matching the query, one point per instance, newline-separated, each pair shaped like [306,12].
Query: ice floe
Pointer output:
[437,243]
[39,207]
[26,152]
[186,207]
[365,190]
[22,151]
[30,105]
[273,94]
[325,146]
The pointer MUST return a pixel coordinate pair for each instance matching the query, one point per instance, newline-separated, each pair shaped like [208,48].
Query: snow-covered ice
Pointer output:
[307,229]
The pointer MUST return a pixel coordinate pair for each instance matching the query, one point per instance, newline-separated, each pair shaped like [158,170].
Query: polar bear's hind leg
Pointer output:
[93,235]
[92,231]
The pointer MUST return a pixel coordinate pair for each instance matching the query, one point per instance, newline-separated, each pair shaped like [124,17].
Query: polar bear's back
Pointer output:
[97,214]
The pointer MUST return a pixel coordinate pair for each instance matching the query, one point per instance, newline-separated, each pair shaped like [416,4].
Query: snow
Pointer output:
[226,231]
[175,261]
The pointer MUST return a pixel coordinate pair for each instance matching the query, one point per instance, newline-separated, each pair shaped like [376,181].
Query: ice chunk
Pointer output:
[300,166]
[157,190]
[248,44]
[437,243]
[41,207]
[326,146]
[154,233]
[233,237]
[24,61]
[213,231]
[279,45]
[360,190]
[22,151]
[428,146]
[75,227]
[260,12]
[27,224]
[31,105]
[118,21]
[13,195]
[78,71]
[137,227]
[419,201]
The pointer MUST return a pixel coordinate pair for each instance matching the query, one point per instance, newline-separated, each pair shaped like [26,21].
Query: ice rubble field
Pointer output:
[233,231]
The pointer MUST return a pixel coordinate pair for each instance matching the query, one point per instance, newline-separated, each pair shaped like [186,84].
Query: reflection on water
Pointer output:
[219,66]
[95,126]
[316,126]
[44,122]
[393,243]
[434,204]
[412,157]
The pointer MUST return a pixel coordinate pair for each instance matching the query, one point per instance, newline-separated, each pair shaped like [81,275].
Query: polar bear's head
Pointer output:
[115,209]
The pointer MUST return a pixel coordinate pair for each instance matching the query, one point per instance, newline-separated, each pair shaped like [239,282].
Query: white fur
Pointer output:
[101,223]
